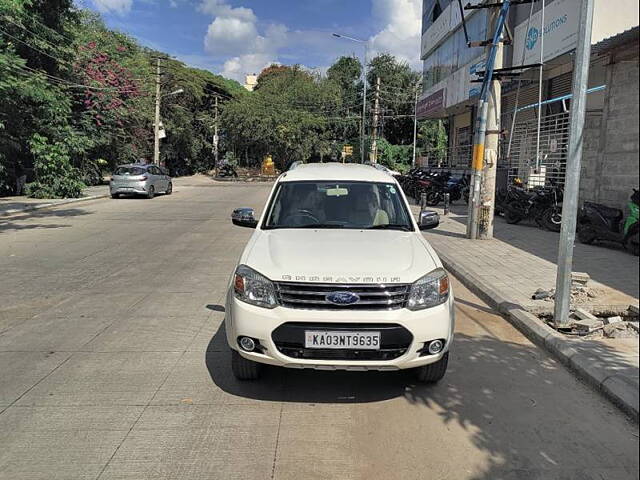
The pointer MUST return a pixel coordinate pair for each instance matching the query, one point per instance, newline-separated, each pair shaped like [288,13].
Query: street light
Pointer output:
[175,92]
[364,96]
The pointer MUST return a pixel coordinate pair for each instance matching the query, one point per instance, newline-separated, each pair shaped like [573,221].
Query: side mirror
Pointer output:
[428,219]
[244,217]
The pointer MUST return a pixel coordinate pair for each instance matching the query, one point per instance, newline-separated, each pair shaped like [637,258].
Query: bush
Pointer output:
[55,176]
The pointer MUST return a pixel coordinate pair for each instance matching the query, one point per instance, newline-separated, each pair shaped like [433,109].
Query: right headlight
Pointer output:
[254,288]
[429,291]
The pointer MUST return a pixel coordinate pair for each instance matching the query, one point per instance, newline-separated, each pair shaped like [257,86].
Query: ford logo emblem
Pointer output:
[342,298]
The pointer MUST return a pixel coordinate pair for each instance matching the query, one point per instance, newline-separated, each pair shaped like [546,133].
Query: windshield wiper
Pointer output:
[391,226]
[320,225]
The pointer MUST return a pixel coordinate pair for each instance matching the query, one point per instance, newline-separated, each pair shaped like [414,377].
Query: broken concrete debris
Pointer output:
[580,278]
[612,320]
[582,314]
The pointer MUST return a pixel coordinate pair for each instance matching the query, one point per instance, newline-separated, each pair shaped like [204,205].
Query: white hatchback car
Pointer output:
[338,276]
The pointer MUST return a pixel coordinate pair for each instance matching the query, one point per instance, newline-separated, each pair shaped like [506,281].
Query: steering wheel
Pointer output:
[300,214]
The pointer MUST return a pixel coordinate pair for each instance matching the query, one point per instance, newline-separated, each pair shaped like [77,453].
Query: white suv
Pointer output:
[338,276]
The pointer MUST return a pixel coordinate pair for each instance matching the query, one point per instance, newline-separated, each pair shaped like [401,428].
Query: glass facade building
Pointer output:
[453,53]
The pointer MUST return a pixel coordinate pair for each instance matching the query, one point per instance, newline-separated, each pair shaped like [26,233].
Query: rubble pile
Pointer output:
[580,291]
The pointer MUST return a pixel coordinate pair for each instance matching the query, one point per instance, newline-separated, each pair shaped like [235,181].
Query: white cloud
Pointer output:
[234,31]
[238,67]
[228,35]
[218,8]
[401,33]
[116,6]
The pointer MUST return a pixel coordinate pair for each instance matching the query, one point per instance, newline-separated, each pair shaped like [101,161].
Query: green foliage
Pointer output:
[55,176]
[397,157]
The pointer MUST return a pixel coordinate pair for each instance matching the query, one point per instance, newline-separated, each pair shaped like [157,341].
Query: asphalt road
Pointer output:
[113,365]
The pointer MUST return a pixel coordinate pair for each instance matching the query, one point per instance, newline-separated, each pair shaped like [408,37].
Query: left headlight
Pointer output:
[254,288]
[429,291]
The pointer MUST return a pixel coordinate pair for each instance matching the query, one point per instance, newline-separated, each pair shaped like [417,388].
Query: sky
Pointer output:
[238,37]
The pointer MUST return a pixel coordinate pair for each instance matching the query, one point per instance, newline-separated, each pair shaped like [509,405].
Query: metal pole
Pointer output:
[156,123]
[376,118]
[215,136]
[415,129]
[572,180]
[540,80]
[364,107]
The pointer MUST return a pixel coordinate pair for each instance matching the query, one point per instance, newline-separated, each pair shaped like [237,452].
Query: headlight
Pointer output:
[254,288]
[429,291]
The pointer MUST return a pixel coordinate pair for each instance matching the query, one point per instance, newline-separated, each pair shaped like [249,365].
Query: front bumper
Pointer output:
[258,323]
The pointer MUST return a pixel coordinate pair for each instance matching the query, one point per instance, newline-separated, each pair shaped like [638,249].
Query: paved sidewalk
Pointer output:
[507,270]
[14,205]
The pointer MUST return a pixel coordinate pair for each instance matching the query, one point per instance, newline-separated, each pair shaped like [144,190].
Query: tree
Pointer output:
[398,84]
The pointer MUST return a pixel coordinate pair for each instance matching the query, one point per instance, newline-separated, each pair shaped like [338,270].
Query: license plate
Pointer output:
[342,340]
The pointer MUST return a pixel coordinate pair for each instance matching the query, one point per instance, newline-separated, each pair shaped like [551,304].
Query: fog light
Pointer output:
[247,344]
[436,347]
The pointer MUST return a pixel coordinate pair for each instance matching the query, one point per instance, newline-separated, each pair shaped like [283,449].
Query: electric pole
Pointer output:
[156,123]
[492,143]
[415,124]
[376,118]
[574,158]
[215,135]
[487,135]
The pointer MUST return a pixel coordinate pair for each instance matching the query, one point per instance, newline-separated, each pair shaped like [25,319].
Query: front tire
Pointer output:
[586,235]
[244,369]
[632,244]
[552,219]
[433,372]
[512,217]
[433,199]
[115,196]
[151,192]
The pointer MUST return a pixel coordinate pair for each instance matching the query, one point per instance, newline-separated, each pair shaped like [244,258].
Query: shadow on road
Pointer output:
[20,222]
[511,401]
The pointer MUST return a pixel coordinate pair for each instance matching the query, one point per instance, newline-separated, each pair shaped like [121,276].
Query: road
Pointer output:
[114,366]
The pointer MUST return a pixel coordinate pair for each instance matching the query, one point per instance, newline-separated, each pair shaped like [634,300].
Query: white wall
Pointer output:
[612,17]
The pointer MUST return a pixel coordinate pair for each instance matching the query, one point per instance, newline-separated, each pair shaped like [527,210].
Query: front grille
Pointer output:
[289,340]
[313,295]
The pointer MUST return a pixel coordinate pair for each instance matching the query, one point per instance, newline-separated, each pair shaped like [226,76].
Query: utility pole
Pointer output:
[156,123]
[364,106]
[215,135]
[376,119]
[415,124]
[486,137]
[492,142]
[574,158]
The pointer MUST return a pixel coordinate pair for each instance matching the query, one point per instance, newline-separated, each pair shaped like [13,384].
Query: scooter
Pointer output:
[597,222]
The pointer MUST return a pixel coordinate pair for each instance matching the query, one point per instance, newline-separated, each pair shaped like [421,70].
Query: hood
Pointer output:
[339,256]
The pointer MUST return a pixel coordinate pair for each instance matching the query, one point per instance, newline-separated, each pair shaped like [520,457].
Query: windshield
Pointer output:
[356,205]
[129,171]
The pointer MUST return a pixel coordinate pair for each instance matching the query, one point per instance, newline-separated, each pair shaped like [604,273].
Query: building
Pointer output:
[449,90]
[250,81]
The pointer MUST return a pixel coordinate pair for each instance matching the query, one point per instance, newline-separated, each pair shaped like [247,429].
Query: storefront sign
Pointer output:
[560,33]
[431,104]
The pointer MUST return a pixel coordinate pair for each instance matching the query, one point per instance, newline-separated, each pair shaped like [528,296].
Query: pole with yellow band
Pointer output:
[477,165]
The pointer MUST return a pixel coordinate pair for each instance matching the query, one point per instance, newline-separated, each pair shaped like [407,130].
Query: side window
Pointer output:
[154,171]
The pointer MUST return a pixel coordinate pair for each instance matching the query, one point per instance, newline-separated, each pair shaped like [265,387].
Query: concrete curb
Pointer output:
[614,388]
[31,208]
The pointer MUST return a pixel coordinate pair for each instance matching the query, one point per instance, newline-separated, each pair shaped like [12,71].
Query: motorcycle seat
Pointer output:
[607,212]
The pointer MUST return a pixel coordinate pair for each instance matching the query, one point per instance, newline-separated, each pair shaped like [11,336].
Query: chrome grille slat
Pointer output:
[372,296]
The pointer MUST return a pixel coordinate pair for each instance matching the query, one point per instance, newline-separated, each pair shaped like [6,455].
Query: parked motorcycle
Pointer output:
[227,170]
[543,205]
[597,222]
[455,187]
